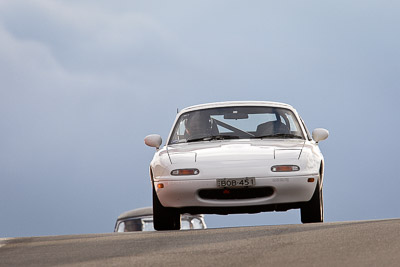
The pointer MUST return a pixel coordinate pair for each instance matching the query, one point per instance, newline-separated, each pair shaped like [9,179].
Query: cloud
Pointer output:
[25,58]
[86,38]
[82,82]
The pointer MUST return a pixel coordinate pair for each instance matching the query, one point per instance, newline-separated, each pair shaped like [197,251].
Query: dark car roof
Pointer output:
[147,211]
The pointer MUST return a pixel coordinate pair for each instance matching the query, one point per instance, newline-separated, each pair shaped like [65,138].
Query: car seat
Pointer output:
[271,128]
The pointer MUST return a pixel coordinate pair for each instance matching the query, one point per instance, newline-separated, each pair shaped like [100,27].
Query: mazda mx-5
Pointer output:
[237,157]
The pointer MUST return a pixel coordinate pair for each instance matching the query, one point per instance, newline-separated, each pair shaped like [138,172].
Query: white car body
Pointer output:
[238,159]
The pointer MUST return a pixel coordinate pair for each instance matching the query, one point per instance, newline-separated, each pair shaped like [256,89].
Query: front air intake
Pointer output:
[236,193]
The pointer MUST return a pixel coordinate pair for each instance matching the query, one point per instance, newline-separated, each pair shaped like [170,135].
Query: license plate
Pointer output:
[236,182]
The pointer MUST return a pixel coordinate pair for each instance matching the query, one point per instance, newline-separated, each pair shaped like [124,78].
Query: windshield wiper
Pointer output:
[222,137]
[213,137]
[198,139]
[283,135]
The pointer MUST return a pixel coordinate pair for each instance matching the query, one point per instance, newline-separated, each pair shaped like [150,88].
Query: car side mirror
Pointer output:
[153,140]
[320,134]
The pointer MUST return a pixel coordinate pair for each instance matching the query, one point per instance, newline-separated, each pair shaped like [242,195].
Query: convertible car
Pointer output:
[237,157]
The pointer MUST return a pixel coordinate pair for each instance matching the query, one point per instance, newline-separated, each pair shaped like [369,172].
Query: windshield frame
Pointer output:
[295,117]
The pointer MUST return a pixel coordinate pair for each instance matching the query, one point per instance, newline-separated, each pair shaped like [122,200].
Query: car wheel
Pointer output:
[313,210]
[164,218]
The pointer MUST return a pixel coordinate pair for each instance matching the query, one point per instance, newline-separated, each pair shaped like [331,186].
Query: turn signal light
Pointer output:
[285,168]
[185,172]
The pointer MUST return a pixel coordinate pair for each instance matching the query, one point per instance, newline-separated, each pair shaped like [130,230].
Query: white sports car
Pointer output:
[237,157]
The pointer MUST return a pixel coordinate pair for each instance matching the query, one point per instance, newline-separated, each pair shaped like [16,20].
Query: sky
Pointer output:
[83,82]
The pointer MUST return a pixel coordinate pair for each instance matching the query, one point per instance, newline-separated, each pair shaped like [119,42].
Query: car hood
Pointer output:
[238,150]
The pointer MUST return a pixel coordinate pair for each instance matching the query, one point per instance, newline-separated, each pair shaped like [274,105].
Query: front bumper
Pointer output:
[184,193]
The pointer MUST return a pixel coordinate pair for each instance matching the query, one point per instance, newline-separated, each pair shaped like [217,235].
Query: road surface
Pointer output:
[362,243]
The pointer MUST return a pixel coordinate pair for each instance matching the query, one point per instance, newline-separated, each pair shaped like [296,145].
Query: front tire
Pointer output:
[164,218]
[313,210]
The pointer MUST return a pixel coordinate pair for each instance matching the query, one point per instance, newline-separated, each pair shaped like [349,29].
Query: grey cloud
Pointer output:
[82,82]
[88,39]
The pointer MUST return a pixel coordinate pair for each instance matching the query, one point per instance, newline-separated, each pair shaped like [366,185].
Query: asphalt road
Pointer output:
[363,243]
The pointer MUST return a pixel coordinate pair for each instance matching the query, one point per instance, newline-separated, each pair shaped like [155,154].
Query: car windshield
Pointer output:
[255,122]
